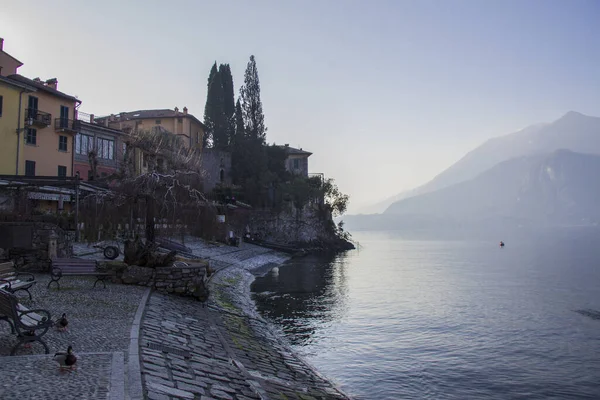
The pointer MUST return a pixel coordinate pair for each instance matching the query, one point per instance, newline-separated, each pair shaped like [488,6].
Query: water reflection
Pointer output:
[304,295]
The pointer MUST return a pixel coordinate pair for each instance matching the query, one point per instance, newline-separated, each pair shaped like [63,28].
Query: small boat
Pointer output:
[501,243]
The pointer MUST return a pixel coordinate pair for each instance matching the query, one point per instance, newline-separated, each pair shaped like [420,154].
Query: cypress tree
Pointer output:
[228,106]
[251,103]
[212,106]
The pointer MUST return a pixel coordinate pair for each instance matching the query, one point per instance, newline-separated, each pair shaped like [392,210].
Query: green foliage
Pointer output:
[219,110]
[211,107]
[336,201]
[228,108]
[252,105]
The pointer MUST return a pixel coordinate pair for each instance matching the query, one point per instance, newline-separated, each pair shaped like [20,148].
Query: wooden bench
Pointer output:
[28,325]
[13,281]
[75,267]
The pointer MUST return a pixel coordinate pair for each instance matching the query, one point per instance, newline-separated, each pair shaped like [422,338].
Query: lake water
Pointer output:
[408,319]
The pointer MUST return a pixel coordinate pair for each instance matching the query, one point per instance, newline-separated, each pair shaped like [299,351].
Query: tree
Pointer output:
[251,103]
[240,127]
[228,105]
[212,106]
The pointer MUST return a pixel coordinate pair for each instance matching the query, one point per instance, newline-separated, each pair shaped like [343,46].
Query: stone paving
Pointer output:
[231,354]
[228,356]
[99,330]
[223,351]
[38,377]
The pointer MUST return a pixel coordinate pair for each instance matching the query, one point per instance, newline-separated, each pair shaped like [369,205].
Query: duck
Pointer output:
[66,360]
[62,323]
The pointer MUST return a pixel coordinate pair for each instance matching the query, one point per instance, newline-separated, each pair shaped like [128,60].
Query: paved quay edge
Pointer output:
[134,371]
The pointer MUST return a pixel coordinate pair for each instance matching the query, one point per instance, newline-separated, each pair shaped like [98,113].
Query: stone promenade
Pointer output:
[135,344]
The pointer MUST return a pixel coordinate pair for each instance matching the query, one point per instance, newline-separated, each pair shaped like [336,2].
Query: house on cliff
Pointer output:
[297,160]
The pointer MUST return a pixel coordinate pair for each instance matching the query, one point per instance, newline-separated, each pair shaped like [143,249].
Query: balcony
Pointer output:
[34,117]
[66,125]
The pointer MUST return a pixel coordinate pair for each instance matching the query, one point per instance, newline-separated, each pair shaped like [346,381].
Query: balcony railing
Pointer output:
[66,125]
[37,118]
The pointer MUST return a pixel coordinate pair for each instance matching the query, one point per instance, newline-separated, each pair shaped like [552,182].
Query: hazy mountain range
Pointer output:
[545,174]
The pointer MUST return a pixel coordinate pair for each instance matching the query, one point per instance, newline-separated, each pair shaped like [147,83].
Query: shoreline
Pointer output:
[233,284]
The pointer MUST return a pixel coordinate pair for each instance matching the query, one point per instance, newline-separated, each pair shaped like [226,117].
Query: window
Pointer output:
[62,143]
[0,106]
[29,168]
[106,149]
[157,122]
[180,120]
[64,117]
[62,170]
[84,144]
[32,103]
[296,163]
[90,176]
[31,137]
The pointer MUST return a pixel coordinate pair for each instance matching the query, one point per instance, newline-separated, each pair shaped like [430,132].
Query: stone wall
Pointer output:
[216,163]
[180,280]
[31,244]
[290,226]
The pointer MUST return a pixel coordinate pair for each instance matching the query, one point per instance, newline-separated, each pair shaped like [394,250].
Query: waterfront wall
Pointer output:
[179,280]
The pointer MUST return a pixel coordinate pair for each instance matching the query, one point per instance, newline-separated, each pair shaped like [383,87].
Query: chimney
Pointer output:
[176,109]
[53,83]
[1,44]
[91,118]
[38,80]
[184,110]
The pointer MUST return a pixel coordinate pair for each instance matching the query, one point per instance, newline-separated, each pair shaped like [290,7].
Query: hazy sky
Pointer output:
[386,94]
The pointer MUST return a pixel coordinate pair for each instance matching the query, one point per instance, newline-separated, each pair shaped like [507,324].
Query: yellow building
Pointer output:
[180,123]
[50,124]
[13,101]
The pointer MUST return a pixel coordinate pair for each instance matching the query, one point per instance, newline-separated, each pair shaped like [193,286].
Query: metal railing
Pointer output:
[34,116]
[63,124]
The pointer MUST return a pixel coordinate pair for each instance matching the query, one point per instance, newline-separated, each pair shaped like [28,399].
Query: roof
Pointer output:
[153,114]
[292,150]
[17,84]
[41,86]
[20,63]
[99,127]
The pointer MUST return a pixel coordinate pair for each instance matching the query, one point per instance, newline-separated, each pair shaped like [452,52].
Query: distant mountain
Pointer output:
[561,188]
[574,131]
[381,206]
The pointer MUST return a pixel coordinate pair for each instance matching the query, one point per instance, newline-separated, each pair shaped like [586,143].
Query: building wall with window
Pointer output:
[216,167]
[50,119]
[297,160]
[180,123]
[11,124]
[107,143]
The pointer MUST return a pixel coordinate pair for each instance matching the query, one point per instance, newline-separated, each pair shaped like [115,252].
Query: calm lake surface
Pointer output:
[415,319]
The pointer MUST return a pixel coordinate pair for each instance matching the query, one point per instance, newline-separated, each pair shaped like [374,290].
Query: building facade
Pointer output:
[216,167]
[106,143]
[50,124]
[12,125]
[297,160]
[181,123]
[8,64]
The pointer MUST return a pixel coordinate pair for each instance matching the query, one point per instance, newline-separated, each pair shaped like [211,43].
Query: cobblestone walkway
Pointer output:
[99,323]
[39,377]
[209,354]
